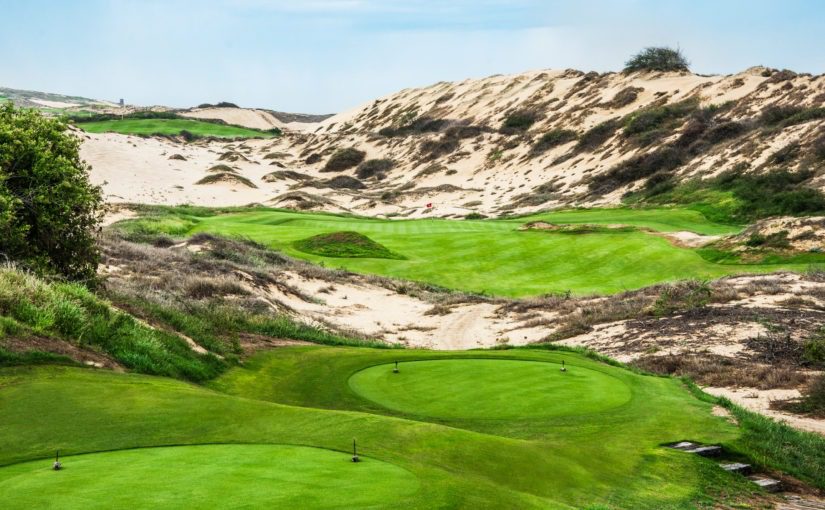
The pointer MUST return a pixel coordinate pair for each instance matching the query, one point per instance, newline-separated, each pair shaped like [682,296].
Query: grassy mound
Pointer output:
[199,476]
[30,307]
[485,389]
[346,245]
[172,127]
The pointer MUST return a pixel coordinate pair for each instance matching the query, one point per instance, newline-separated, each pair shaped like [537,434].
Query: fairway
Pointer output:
[488,256]
[489,389]
[171,127]
[206,476]
[599,443]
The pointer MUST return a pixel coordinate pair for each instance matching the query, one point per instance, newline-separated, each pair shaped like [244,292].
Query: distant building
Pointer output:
[121,103]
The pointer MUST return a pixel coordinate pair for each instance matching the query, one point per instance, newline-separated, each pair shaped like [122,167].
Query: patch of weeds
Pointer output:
[681,297]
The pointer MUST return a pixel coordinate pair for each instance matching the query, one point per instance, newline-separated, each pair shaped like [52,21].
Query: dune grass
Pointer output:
[171,127]
[605,457]
[488,256]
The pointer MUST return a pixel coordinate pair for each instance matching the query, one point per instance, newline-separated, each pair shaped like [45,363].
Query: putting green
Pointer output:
[207,476]
[489,389]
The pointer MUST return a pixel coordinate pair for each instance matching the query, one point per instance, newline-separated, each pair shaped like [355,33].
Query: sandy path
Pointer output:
[760,401]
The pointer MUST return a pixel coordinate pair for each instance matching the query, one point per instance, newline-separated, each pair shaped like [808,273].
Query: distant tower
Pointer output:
[121,103]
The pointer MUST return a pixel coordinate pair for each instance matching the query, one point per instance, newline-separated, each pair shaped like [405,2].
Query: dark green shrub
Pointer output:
[465,131]
[657,59]
[662,160]
[775,240]
[814,351]
[418,125]
[784,116]
[625,97]
[814,399]
[432,149]
[188,135]
[724,131]
[819,148]
[594,137]
[785,155]
[518,122]
[343,159]
[344,182]
[374,167]
[650,124]
[552,139]
[312,159]
[49,211]
[474,216]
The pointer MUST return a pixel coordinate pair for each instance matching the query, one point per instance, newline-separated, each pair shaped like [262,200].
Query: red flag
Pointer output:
[430,205]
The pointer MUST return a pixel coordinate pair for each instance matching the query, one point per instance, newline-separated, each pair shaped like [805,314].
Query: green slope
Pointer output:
[301,396]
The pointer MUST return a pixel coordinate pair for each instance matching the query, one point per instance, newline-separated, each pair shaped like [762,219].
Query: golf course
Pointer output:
[491,256]
[485,429]
[171,127]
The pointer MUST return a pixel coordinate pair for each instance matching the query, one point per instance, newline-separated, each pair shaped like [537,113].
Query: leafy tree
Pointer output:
[49,211]
[657,59]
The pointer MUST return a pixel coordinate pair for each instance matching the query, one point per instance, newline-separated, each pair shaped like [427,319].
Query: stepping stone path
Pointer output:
[705,450]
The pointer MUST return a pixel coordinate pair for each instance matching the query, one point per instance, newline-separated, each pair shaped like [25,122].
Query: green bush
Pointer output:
[650,124]
[594,137]
[657,59]
[660,161]
[344,159]
[374,168]
[552,139]
[775,240]
[518,122]
[814,399]
[814,351]
[49,211]
[784,116]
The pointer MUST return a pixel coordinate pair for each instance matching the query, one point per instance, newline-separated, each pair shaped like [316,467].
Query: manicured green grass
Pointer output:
[207,476]
[609,457]
[171,127]
[489,256]
[489,389]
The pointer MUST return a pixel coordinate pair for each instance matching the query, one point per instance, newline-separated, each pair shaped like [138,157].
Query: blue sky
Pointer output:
[319,56]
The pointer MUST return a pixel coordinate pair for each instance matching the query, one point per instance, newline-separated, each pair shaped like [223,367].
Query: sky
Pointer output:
[326,56]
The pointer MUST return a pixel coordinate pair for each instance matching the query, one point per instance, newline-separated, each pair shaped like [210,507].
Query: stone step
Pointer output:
[736,467]
[769,484]
[704,450]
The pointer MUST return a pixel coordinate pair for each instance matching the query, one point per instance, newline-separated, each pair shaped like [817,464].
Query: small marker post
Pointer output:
[563,368]
[355,452]
[395,370]
[57,465]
